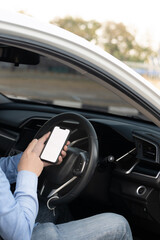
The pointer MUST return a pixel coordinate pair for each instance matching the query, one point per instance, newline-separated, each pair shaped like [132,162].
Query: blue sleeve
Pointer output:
[9,166]
[18,211]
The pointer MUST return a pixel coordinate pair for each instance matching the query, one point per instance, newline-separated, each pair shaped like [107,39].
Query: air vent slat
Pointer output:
[149,151]
[34,123]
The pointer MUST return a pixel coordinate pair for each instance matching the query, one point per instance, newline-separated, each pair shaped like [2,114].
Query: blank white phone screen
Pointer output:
[55,144]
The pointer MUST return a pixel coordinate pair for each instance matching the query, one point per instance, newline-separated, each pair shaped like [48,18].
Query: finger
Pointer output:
[68,142]
[44,137]
[65,148]
[32,145]
[63,153]
[60,159]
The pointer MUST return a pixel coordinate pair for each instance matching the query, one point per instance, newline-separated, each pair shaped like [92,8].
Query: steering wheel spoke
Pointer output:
[55,191]
[80,164]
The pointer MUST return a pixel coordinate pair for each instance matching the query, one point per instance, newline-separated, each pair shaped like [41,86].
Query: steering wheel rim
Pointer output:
[92,151]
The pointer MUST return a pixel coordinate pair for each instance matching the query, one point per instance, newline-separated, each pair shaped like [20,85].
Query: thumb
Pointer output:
[45,137]
[32,145]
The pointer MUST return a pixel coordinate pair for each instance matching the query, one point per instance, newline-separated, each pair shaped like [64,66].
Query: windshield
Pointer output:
[53,82]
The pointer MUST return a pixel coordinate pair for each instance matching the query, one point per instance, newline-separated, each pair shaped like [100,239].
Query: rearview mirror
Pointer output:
[18,56]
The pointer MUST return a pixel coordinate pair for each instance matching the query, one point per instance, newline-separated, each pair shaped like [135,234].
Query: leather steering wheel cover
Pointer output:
[93,150]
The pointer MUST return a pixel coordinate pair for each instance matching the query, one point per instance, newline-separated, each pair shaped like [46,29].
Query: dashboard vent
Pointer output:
[34,123]
[149,151]
[147,147]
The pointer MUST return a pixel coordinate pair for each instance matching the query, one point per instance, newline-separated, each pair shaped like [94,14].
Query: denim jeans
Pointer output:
[105,226]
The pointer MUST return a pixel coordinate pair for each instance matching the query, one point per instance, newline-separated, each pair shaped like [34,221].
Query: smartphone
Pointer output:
[55,144]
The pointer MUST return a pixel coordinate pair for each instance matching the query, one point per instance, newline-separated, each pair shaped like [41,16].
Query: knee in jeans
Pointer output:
[45,231]
[123,227]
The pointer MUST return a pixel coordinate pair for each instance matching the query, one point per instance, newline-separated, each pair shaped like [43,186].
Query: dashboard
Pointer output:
[129,158]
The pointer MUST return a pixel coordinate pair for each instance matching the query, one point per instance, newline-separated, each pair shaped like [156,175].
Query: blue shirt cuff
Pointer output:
[27,181]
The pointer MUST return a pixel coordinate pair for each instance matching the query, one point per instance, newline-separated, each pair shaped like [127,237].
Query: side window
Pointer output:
[53,82]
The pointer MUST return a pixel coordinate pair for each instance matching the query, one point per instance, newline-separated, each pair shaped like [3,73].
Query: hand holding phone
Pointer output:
[55,144]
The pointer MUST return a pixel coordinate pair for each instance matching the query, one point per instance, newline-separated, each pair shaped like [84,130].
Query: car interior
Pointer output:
[113,161]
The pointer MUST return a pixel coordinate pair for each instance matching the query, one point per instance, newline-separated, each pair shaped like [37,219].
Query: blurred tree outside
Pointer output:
[119,42]
[115,38]
[85,29]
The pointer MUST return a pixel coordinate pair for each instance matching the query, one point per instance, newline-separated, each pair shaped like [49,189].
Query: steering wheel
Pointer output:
[69,178]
